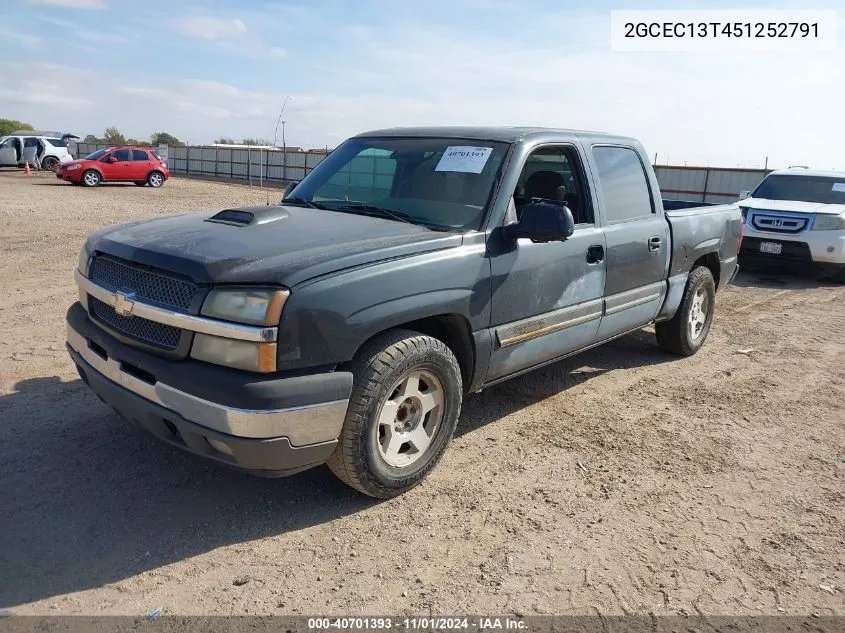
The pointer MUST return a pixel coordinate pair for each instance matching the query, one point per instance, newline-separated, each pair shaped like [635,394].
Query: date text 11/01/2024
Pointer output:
[480,624]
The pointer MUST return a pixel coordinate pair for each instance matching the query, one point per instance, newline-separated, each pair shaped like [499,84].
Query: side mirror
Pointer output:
[289,188]
[543,222]
[112,159]
[744,194]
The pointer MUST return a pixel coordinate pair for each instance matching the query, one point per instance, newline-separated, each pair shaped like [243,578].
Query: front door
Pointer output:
[638,241]
[118,169]
[547,298]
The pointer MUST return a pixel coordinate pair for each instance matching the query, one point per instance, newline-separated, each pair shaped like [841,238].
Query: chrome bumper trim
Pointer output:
[178,319]
[301,425]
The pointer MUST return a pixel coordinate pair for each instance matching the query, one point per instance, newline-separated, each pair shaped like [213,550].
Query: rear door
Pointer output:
[8,153]
[637,240]
[140,165]
[120,168]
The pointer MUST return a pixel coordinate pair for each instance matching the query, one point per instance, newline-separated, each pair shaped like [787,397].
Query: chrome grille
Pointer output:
[165,336]
[779,223]
[148,285]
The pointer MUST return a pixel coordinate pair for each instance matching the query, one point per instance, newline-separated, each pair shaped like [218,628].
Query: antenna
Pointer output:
[276,136]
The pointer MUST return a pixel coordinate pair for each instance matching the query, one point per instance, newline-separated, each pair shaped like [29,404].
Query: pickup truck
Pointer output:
[797,215]
[409,268]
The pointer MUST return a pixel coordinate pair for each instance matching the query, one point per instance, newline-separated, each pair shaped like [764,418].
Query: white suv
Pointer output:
[45,149]
[798,215]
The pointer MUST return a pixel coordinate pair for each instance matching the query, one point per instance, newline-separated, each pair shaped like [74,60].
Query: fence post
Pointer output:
[706,180]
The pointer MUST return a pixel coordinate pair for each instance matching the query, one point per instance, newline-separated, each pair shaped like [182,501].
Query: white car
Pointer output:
[47,149]
[797,215]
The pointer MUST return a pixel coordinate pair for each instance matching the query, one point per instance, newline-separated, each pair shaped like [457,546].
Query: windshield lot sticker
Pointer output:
[465,159]
[839,186]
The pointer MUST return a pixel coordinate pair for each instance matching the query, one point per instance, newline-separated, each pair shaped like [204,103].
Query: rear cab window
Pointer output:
[622,183]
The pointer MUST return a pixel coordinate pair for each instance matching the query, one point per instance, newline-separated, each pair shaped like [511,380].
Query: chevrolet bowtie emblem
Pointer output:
[123,303]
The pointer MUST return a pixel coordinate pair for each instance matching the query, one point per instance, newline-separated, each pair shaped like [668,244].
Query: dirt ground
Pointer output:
[620,481]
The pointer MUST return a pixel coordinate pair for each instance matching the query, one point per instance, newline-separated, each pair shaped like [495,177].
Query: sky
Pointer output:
[205,69]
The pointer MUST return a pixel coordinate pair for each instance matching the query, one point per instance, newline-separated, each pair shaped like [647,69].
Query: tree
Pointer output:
[224,140]
[249,141]
[92,139]
[112,136]
[168,139]
[7,126]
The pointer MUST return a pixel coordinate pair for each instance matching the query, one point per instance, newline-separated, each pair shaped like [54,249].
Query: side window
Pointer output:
[623,184]
[122,155]
[554,173]
[139,154]
[30,141]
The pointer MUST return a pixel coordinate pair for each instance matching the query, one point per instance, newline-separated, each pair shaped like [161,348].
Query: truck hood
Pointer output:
[283,245]
[792,205]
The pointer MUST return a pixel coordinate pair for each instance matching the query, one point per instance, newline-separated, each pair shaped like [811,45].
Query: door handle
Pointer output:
[595,254]
[654,243]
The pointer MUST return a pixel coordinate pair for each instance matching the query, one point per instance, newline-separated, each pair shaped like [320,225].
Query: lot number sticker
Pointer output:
[464,159]
[839,186]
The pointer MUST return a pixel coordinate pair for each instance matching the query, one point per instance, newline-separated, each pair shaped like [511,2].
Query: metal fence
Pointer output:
[706,184]
[256,165]
[261,165]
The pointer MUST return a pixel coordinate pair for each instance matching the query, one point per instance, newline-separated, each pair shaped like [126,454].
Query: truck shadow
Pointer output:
[87,500]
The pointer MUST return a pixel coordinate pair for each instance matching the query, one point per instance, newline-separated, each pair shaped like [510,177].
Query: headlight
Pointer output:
[72,167]
[254,306]
[828,222]
[84,260]
[260,357]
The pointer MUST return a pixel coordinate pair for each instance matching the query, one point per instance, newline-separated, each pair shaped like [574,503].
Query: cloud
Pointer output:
[210,28]
[21,39]
[72,4]
[278,53]
[85,34]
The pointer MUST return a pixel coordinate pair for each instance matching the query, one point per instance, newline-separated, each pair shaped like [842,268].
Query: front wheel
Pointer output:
[91,178]
[685,333]
[404,407]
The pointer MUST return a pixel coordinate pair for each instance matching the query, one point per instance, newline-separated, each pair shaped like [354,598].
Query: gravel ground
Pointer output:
[620,481]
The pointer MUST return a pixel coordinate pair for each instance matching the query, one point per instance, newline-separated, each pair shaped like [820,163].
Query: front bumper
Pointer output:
[266,426]
[822,247]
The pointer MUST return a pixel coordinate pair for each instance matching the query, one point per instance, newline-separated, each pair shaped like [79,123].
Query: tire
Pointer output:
[686,332]
[404,381]
[155,179]
[141,183]
[839,276]
[51,163]
[90,178]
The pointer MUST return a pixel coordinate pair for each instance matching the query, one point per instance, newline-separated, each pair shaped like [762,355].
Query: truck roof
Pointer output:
[497,133]
[820,173]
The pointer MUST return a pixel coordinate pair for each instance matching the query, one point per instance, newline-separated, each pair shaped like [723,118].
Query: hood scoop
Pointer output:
[249,216]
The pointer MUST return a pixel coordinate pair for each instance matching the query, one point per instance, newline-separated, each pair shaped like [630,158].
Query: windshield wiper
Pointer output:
[371,208]
[303,201]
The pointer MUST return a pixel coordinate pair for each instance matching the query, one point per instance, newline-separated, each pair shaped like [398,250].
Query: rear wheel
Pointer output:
[402,413]
[91,178]
[155,179]
[686,332]
[51,163]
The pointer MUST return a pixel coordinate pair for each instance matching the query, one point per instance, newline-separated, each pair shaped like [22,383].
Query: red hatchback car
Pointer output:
[116,164]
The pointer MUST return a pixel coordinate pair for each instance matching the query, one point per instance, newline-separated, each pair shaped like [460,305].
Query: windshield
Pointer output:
[435,181]
[820,189]
[96,154]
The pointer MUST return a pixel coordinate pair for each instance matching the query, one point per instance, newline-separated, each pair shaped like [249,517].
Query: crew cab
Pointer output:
[797,215]
[140,165]
[412,266]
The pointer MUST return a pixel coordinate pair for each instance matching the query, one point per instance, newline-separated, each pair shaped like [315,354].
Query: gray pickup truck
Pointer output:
[410,267]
